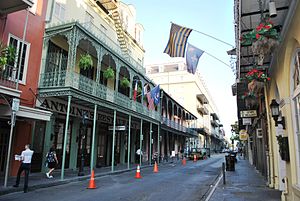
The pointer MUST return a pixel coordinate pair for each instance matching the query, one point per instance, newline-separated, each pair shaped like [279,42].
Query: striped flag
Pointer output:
[177,41]
[150,102]
[135,91]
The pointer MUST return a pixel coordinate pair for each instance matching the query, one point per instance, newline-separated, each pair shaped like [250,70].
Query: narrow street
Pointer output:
[172,182]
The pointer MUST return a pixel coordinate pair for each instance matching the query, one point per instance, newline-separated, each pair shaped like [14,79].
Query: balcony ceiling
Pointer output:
[202,98]
[10,6]
[251,17]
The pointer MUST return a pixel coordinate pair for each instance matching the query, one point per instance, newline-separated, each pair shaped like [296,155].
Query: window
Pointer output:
[20,61]
[296,105]
[34,6]
[59,11]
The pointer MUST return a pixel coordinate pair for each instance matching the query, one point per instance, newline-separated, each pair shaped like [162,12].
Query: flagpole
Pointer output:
[211,37]
[217,59]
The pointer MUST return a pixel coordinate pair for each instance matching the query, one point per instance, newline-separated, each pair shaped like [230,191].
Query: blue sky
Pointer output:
[213,17]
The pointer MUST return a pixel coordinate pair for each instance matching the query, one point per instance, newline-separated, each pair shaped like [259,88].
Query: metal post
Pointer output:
[223,171]
[150,148]
[93,138]
[113,142]
[141,136]
[22,47]
[65,139]
[158,144]
[128,148]
[12,124]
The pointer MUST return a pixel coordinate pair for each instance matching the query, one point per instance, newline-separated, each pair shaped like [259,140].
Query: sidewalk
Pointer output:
[244,184]
[39,180]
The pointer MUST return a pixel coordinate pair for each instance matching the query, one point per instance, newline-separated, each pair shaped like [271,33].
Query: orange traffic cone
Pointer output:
[138,173]
[183,161]
[92,184]
[155,168]
[195,158]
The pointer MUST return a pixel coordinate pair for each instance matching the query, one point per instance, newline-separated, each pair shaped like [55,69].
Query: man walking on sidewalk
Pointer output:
[25,165]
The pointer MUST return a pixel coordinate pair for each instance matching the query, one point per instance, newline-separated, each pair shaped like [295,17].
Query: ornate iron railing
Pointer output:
[88,86]
[8,76]
[177,126]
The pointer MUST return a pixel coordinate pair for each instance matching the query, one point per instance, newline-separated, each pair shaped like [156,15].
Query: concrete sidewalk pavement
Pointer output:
[244,184]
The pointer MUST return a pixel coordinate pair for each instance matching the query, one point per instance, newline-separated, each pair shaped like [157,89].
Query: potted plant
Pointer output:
[7,55]
[86,61]
[256,79]
[109,73]
[125,82]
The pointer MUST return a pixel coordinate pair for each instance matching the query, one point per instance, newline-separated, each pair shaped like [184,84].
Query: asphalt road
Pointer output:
[173,182]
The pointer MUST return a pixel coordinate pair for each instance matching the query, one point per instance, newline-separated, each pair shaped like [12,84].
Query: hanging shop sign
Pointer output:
[246,121]
[117,128]
[248,113]
[243,135]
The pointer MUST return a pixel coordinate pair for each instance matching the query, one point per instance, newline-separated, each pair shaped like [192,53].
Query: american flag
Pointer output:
[150,102]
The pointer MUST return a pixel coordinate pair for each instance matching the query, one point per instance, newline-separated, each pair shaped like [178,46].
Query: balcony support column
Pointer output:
[117,75]
[130,87]
[73,41]
[150,144]
[100,55]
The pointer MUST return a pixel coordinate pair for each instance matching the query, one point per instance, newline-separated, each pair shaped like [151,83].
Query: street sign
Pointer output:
[243,135]
[248,113]
[15,104]
[117,128]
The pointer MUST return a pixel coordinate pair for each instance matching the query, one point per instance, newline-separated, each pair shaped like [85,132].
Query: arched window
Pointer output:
[295,92]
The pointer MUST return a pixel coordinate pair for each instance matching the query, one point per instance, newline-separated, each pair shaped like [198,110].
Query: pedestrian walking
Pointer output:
[25,157]
[137,155]
[51,161]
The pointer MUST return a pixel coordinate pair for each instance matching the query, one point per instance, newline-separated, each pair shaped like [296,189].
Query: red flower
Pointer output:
[259,27]
[257,36]
[268,78]
[268,27]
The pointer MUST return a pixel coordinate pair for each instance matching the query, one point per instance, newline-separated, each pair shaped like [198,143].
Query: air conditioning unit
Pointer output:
[259,133]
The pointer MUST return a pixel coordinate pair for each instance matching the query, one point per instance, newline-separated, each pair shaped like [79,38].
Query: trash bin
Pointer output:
[230,162]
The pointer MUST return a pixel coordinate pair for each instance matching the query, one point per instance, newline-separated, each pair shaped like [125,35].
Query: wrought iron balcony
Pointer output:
[54,80]
[8,76]
[174,125]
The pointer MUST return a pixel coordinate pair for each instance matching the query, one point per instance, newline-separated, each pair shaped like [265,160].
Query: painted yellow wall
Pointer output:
[281,77]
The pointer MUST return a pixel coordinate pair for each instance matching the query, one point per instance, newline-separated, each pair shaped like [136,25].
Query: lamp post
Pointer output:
[82,139]
[275,113]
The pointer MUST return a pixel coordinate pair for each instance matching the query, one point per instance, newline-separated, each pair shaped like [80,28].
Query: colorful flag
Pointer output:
[177,40]
[155,94]
[192,57]
[150,102]
[135,90]
[145,89]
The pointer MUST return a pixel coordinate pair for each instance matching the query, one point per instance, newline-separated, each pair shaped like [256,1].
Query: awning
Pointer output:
[27,112]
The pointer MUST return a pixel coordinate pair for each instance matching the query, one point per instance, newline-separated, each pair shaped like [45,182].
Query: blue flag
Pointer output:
[155,94]
[193,55]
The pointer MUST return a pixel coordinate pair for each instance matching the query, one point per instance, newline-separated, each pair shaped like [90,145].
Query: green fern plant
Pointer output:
[86,61]
[125,82]
[109,73]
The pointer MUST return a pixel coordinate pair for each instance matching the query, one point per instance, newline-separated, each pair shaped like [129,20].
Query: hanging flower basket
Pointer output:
[264,39]
[255,86]
[86,61]
[257,75]
[109,73]
[125,82]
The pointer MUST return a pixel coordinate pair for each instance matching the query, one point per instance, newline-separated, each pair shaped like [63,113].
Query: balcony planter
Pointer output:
[85,62]
[7,55]
[125,82]
[109,73]
[283,148]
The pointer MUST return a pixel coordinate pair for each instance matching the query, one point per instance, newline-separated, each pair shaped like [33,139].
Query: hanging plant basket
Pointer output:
[109,73]
[125,82]
[86,61]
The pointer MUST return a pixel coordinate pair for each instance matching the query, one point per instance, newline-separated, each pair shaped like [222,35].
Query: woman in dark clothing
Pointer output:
[51,161]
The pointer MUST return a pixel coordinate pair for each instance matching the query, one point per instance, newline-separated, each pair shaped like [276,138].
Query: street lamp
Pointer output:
[275,113]
[82,139]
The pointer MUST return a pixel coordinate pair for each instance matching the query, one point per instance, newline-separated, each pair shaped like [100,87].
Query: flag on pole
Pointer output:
[135,90]
[155,94]
[193,55]
[145,89]
[177,40]
[150,102]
